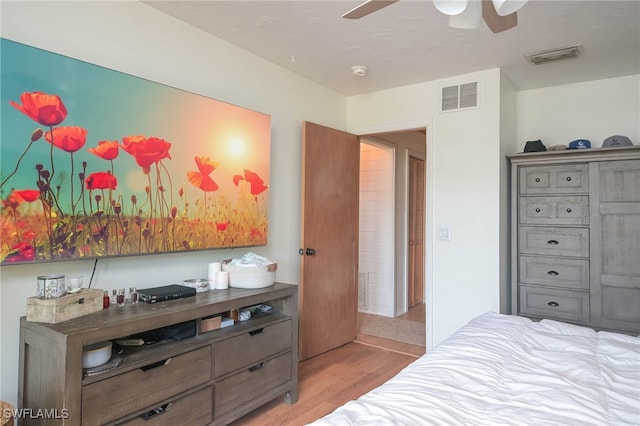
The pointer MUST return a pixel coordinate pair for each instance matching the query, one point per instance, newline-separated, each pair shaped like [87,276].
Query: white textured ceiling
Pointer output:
[410,42]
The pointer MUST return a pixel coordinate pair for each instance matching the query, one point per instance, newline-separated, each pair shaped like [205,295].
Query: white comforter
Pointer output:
[509,370]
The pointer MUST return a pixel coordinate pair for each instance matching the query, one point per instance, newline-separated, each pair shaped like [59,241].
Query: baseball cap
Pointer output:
[616,140]
[580,144]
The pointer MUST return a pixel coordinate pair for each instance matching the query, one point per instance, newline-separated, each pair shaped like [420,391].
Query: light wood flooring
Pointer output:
[335,377]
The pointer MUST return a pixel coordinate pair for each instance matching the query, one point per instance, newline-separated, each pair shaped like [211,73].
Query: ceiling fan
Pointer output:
[499,15]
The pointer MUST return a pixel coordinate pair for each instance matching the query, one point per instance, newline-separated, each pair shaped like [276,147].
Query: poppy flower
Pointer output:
[48,110]
[101,180]
[221,226]
[201,178]
[107,150]
[21,252]
[146,151]
[28,195]
[67,138]
[257,184]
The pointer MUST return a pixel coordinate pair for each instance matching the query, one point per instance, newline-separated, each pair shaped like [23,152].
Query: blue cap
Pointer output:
[580,144]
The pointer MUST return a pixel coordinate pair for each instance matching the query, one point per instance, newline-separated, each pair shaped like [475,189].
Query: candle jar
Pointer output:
[133,295]
[120,297]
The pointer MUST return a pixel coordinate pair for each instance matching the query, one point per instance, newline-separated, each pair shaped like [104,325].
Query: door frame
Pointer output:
[429,211]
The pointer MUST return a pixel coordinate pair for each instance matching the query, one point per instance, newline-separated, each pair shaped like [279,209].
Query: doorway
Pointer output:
[391,288]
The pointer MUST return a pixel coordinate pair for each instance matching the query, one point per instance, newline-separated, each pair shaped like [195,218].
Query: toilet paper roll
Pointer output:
[222,280]
[214,268]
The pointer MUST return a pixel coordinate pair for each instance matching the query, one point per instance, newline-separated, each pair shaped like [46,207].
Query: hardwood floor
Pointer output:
[333,378]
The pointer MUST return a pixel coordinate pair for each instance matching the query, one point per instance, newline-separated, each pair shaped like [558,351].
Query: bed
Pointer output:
[509,370]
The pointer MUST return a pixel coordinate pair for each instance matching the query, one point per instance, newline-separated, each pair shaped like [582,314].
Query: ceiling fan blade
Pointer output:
[367,8]
[496,22]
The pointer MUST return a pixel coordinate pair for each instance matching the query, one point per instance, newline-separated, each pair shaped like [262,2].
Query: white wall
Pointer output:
[592,110]
[463,176]
[134,38]
[377,223]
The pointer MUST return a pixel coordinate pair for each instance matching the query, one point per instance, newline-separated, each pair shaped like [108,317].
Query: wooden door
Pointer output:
[329,239]
[416,231]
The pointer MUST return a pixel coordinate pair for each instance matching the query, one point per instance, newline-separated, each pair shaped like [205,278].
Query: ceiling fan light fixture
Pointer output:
[553,55]
[507,7]
[451,7]
[470,18]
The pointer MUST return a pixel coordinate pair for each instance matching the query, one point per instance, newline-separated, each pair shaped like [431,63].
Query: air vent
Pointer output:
[462,96]
[553,55]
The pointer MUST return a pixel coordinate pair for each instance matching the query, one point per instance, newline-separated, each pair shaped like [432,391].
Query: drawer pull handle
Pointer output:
[537,210]
[568,210]
[553,304]
[156,364]
[568,178]
[254,332]
[553,273]
[256,367]
[553,242]
[151,413]
[537,179]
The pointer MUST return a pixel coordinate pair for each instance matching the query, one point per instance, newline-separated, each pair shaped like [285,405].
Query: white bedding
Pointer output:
[509,370]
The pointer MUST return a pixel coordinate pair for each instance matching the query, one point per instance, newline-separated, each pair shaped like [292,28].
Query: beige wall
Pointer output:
[137,39]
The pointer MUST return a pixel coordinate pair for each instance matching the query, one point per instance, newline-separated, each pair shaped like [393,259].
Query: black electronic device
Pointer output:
[164,293]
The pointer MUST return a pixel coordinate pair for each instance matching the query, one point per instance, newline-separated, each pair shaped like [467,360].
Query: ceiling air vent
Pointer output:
[553,55]
[460,96]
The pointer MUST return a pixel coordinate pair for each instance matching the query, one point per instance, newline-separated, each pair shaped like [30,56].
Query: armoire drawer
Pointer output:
[557,179]
[560,210]
[194,409]
[554,303]
[143,387]
[555,272]
[252,347]
[251,382]
[554,241]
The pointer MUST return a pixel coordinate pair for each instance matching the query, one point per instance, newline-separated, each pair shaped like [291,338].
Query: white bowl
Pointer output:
[96,354]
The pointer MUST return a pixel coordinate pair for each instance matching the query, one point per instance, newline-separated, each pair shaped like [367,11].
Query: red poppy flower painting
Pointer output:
[195,174]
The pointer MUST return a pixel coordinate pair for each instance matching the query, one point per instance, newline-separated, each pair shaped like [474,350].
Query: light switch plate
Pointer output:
[444,233]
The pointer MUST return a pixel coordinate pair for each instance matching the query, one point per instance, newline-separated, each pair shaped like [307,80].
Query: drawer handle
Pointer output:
[537,210]
[553,304]
[151,413]
[553,242]
[156,364]
[537,179]
[568,210]
[254,332]
[256,367]
[553,273]
[568,178]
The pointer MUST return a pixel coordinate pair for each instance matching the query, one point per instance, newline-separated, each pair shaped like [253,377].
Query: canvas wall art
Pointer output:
[97,163]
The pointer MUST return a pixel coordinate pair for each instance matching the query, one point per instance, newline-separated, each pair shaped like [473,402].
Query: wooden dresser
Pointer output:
[575,235]
[213,377]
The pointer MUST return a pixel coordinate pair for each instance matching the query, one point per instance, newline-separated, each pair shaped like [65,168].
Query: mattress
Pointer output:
[509,370]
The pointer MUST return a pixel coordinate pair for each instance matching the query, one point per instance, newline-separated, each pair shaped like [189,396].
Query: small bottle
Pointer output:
[106,300]
[133,295]
[120,297]
[114,297]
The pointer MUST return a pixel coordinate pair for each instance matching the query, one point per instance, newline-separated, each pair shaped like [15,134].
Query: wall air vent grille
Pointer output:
[460,96]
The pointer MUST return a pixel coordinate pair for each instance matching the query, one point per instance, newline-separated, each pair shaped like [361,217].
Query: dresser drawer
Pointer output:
[551,241]
[556,304]
[555,272]
[251,382]
[194,409]
[560,179]
[134,390]
[249,348]
[569,210]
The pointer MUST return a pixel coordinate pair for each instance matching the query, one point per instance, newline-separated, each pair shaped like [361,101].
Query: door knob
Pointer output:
[310,252]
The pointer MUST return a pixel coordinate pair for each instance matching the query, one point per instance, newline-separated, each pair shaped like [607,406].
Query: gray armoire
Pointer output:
[575,236]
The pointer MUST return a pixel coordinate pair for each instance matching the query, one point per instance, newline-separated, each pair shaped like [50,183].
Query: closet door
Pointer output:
[416,231]
[615,233]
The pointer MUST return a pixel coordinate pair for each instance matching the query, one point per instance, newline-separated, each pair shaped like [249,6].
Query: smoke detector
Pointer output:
[359,70]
